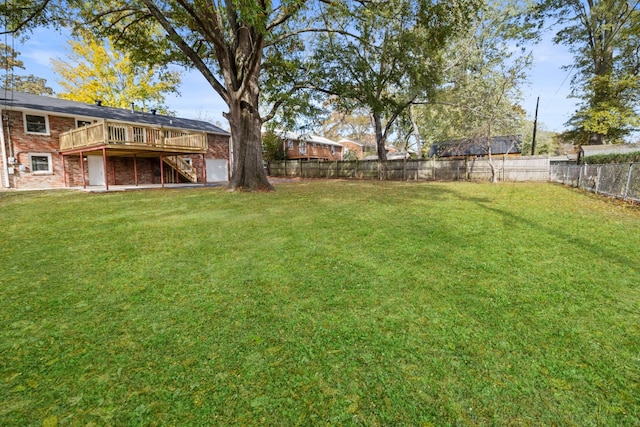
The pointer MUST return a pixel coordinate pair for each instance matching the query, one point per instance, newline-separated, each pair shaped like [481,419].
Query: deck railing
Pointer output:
[134,136]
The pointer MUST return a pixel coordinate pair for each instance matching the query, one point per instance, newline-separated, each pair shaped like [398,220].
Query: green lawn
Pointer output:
[324,303]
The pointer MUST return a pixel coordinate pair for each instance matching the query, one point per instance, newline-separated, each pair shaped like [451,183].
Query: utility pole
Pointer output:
[535,129]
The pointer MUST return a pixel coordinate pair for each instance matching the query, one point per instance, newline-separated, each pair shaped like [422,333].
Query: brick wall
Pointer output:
[23,144]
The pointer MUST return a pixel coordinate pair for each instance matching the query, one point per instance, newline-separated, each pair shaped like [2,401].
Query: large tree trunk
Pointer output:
[244,118]
[380,147]
[248,170]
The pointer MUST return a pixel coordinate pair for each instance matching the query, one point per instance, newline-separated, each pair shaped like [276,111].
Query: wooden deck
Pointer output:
[121,139]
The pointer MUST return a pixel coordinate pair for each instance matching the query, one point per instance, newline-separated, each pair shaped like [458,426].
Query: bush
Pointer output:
[611,158]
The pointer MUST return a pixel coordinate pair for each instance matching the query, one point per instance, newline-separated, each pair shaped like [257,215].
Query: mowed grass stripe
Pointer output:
[324,303]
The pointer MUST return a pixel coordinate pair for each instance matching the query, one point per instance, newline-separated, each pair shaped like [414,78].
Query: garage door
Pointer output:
[217,170]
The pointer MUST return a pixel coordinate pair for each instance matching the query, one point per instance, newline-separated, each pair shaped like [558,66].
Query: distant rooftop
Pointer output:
[18,100]
[469,147]
[307,138]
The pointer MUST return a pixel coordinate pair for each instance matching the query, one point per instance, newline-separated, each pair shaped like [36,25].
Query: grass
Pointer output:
[324,303]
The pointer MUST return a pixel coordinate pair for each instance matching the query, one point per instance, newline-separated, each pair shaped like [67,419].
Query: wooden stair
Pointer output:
[183,168]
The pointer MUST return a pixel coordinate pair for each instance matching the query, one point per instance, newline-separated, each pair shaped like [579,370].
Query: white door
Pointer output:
[216,170]
[96,170]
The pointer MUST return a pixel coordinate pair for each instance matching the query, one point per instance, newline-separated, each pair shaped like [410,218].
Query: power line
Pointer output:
[560,87]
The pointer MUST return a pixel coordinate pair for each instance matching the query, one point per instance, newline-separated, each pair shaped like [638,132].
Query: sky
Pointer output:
[198,100]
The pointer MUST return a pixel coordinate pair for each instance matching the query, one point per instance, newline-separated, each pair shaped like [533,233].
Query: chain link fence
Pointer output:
[615,180]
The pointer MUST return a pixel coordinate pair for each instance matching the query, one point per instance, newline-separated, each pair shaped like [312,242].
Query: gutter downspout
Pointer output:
[5,166]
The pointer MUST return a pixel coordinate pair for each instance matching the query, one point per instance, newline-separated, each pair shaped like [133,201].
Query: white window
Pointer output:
[333,150]
[290,145]
[302,147]
[40,163]
[34,123]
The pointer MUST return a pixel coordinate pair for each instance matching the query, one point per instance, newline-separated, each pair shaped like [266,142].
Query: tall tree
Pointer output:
[9,62]
[225,40]
[355,126]
[485,69]
[94,70]
[384,56]
[604,37]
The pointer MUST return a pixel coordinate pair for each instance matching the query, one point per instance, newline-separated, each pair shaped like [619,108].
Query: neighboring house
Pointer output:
[309,147]
[361,149]
[587,151]
[500,145]
[52,143]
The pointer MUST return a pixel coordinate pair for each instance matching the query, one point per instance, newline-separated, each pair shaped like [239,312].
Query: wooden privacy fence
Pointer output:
[534,168]
[616,180]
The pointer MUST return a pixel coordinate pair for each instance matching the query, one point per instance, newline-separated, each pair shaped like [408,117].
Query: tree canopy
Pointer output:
[9,62]
[94,70]
[385,56]
[604,37]
[485,68]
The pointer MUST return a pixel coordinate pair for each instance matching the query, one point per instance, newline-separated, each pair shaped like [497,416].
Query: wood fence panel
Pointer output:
[633,188]
[474,169]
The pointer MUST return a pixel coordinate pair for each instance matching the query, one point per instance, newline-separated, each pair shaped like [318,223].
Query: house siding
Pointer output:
[313,151]
[353,147]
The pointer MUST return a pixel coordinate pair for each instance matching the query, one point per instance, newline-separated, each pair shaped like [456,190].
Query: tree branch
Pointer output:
[187,50]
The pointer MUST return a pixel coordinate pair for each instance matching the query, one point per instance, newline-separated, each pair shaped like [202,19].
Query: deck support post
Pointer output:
[84,179]
[162,170]
[135,169]
[106,170]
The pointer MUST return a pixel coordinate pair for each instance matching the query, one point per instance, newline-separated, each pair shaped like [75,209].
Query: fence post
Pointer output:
[598,179]
[466,168]
[582,167]
[433,161]
[626,188]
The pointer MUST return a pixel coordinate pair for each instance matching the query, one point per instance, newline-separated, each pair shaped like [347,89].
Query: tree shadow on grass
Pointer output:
[596,249]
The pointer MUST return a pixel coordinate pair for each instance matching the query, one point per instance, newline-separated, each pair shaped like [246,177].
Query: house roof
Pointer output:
[469,147]
[570,157]
[23,101]
[362,144]
[307,138]
[595,150]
